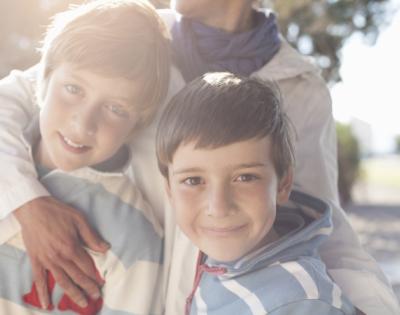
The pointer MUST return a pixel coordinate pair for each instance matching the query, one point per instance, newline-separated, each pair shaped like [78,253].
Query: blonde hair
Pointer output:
[122,38]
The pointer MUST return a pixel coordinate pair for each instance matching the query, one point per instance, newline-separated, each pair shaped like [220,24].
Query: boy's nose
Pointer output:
[220,203]
[84,122]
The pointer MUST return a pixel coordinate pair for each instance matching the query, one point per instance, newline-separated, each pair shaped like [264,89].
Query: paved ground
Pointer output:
[378,227]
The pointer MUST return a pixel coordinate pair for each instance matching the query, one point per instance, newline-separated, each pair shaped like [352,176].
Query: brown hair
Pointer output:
[124,38]
[219,109]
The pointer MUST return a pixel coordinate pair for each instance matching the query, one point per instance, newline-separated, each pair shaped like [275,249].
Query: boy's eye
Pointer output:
[73,89]
[117,110]
[193,181]
[246,178]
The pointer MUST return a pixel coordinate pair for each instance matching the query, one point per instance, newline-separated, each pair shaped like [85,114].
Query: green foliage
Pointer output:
[348,161]
[320,28]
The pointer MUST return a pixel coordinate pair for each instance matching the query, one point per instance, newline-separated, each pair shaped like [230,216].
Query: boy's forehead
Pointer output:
[112,86]
[246,152]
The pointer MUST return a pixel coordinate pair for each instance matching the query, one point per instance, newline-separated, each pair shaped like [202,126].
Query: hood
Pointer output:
[303,225]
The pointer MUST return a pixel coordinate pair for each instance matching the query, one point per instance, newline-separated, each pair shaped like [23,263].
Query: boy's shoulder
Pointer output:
[304,282]
[301,282]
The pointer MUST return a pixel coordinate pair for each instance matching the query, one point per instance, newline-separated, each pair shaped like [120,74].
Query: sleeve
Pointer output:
[309,108]
[18,182]
[9,227]
[306,307]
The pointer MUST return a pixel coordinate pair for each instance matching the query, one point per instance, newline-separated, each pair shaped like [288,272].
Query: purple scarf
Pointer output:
[198,48]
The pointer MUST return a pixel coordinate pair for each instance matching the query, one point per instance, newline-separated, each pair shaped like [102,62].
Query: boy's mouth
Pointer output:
[223,231]
[73,146]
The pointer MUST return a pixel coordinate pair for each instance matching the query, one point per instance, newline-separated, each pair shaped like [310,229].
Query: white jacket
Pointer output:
[308,105]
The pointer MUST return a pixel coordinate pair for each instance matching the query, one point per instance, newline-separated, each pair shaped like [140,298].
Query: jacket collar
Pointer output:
[287,63]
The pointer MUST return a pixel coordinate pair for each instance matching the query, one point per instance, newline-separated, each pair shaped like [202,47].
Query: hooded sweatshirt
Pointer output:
[283,277]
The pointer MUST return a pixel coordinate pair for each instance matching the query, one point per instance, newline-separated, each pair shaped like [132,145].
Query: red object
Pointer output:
[32,298]
[91,309]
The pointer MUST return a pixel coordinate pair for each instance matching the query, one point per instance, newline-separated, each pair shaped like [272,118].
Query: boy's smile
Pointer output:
[85,118]
[72,146]
[225,198]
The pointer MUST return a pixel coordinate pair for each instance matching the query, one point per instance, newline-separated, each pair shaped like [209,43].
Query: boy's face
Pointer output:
[225,199]
[85,117]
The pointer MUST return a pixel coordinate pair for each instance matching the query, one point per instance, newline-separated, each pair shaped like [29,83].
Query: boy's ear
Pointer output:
[285,186]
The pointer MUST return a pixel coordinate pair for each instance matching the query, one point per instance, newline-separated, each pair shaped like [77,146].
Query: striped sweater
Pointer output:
[284,277]
[115,208]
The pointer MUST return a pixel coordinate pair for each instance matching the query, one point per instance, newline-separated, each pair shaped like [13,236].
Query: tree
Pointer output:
[348,161]
[320,28]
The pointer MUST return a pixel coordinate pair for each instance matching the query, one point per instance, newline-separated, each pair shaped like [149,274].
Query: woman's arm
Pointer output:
[18,182]
[309,107]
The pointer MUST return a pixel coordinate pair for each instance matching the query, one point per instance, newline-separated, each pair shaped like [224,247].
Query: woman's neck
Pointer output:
[237,18]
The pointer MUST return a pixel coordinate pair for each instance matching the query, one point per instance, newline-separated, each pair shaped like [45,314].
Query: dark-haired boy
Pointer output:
[225,149]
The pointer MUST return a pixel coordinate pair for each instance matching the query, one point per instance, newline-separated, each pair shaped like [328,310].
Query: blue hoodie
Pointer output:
[283,277]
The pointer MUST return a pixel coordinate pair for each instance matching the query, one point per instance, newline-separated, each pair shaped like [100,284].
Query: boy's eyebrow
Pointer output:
[198,169]
[122,99]
[251,165]
[77,77]
[86,82]
[186,170]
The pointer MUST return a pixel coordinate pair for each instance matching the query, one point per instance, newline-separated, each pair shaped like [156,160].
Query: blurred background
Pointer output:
[356,45]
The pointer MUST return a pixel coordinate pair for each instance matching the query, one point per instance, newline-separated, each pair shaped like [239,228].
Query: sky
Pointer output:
[370,87]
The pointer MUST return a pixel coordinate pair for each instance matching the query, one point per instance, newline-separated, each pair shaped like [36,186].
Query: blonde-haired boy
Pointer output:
[104,69]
